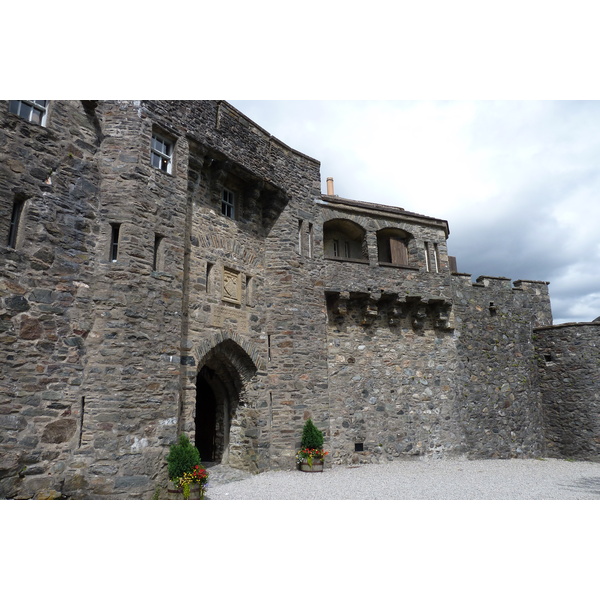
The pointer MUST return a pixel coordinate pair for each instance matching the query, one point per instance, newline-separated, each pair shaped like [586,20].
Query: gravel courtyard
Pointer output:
[431,479]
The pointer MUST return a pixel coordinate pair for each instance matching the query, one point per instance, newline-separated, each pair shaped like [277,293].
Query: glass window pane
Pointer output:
[13,106]
[25,110]
[36,116]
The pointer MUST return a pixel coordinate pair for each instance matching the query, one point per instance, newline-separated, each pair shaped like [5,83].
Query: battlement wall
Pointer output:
[499,404]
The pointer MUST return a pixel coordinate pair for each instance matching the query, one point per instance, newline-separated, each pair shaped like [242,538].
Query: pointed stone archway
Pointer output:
[222,416]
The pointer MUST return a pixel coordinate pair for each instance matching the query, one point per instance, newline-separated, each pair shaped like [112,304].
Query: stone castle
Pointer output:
[170,267]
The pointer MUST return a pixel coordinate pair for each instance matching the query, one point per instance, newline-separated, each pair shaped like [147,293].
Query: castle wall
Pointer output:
[498,398]
[390,344]
[232,275]
[46,288]
[279,316]
[569,367]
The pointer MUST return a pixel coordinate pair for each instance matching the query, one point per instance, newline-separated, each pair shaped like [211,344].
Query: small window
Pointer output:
[15,222]
[249,290]
[228,204]
[158,257]
[311,240]
[392,246]
[427,263]
[33,111]
[209,277]
[161,155]
[114,242]
[436,258]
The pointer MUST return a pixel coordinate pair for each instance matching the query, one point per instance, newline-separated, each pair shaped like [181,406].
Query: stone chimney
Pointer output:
[330,186]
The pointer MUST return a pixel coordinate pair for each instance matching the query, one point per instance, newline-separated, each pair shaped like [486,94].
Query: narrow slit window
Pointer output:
[15,222]
[300,228]
[436,256]
[427,265]
[336,248]
[209,274]
[157,259]
[249,290]
[81,420]
[269,346]
[114,241]
[310,240]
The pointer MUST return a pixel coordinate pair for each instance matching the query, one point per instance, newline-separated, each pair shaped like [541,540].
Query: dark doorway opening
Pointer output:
[206,416]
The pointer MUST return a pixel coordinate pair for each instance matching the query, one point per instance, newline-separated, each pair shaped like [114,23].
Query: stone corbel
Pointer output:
[418,321]
[340,306]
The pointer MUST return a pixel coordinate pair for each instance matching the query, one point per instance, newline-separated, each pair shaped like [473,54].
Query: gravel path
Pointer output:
[424,479]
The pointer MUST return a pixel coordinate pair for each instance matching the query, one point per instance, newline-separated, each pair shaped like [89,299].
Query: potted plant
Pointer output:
[187,476]
[311,455]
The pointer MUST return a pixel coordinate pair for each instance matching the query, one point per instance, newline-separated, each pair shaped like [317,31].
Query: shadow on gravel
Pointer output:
[588,484]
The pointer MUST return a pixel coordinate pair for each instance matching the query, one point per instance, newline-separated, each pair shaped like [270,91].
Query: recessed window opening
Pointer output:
[161,154]
[427,264]
[228,204]
[157,259]
[392,246]
[310,240]
[269,346]
[249,290]
[300,228]
[343,238]
[33,111]
[209,271]
[548,357]
[114,241]
[15,222]
[436,256]
[81,420]
[359,447]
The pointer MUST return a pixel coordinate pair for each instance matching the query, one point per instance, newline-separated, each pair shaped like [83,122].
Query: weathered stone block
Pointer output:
[59,431]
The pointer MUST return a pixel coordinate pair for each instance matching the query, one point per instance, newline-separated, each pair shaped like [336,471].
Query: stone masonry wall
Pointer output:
[390,345]
[279,320]
[498,398]
[100,355]
[46,292]
[569,371]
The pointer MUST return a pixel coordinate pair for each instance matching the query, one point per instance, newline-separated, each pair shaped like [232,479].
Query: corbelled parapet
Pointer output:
[391,308]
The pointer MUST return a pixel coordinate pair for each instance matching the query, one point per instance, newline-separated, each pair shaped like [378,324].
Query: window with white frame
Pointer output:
[34,111]
[228,204]
[161,154]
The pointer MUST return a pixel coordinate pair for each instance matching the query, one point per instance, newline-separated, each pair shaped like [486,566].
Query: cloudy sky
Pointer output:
[518,181]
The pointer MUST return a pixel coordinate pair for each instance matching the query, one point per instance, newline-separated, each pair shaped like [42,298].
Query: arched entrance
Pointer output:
[220,392]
